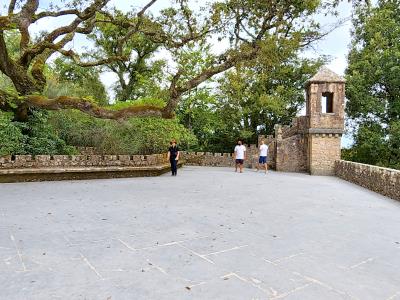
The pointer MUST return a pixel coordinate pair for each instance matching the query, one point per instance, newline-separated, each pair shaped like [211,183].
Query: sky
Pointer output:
[335,45]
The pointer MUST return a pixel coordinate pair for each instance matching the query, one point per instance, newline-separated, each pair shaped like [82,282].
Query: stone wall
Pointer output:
[324,150]
[288,151]
[299,125]
[94,160]
[65,161]
[208,159]
[220,159]
[381,180]
[291,154]
[318,119]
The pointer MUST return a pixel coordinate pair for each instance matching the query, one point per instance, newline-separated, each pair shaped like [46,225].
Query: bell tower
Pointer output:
[325,113]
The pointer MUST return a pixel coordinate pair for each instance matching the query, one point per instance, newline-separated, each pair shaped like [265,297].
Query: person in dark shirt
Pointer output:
[173,156]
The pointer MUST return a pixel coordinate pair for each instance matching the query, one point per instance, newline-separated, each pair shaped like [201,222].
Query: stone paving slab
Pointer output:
[208,233]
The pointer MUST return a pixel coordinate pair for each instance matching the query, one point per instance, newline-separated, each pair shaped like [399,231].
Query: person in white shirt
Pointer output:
[240,156]
[262,160]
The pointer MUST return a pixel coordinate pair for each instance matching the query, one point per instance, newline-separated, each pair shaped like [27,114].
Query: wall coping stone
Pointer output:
[367,165]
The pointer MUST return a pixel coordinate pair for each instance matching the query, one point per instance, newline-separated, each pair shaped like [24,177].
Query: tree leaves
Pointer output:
[373,83]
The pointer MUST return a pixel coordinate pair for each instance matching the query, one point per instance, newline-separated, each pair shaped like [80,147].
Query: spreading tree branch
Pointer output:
[25,20]
[60,13]
[11,6]
[81,104]
[48,41]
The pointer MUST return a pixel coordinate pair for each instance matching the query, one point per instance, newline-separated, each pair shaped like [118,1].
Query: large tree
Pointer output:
[66,78]
[373,83]
[250,26]
[138,76]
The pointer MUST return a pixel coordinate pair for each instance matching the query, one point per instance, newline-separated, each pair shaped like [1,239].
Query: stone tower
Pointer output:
[325,114]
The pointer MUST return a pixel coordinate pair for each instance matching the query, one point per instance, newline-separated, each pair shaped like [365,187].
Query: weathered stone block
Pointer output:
[95,159]
[110,157]
[5,159]
[61,158]
[42,158]
[23,158]
[78,157]
[124,157]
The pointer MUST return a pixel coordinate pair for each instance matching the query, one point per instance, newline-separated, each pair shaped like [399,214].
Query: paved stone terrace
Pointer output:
[206,234]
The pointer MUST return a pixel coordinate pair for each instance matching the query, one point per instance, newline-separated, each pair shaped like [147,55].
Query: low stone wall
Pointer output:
[220,159]
[65,161]
[381,180]
[94,160]
[208,159]
[21,168]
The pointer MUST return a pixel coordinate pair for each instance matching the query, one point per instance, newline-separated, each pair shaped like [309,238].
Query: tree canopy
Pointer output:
[373,83]
[248,28]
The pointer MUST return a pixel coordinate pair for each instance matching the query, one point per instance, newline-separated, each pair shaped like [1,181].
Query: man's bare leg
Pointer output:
[266,168]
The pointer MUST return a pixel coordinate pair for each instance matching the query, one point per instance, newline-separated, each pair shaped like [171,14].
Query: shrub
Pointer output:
[34,137]
[134,136]
[12,141]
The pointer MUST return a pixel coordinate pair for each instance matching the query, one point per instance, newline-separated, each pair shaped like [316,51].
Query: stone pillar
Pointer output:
[278,132]
[253,156]
[278,144]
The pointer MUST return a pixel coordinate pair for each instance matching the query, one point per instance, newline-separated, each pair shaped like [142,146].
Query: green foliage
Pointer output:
[42,137]
[249,101]
[67,78]
[36,136]
[373,83]
[198,113]
[141,75]
[13,39]
[266,86]
[143,101]
[135,136]
[394,145]
[5,83]
[12,140]
[369,145]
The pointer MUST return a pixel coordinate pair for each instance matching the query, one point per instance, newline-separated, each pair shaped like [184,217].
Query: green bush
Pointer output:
[12,141]
[42,138]
[134,136]
[34,137]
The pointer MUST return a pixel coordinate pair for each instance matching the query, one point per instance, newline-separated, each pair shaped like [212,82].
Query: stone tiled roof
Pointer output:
[326,75]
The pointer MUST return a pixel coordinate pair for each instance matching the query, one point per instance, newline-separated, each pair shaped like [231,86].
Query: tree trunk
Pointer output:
[126,93]
[24,86]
